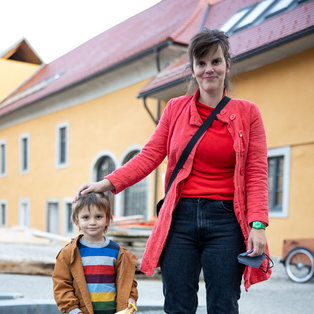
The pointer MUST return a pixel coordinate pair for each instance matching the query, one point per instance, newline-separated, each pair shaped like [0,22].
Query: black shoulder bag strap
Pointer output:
[186,152]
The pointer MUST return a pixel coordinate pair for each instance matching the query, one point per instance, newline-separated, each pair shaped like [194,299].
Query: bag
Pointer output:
[187,150]
[158,206]
[255,261]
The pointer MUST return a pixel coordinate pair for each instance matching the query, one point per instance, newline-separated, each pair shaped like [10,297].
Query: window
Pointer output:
[104,167]
[62,145]
[68,224]
[234,19]
[24,217]
[257,13]
[278,181]
[31,90]
[3,213]
[279,6]
[3,162]
[24,153]
[258,10]
[52,222]
[135,198]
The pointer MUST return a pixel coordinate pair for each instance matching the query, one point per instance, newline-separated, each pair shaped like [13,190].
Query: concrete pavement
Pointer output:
[278,295]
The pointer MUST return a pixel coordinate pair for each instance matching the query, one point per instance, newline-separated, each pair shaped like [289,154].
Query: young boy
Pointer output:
[92,273]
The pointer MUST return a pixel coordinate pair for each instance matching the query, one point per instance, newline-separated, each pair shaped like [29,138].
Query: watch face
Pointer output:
[258,225]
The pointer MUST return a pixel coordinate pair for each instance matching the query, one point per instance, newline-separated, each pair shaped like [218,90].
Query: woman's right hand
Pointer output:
[101,186]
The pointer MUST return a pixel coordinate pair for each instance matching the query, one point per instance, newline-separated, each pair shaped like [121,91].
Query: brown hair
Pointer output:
[200,44]
[99,200]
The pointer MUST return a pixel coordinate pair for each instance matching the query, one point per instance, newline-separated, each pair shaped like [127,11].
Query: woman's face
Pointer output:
[210,71]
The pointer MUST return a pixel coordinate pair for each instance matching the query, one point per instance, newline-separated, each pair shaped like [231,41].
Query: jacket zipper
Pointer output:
[81,294]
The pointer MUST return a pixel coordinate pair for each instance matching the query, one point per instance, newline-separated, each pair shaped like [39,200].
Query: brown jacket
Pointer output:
[69,285]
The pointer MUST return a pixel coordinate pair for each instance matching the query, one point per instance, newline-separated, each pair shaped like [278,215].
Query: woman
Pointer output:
[206,219]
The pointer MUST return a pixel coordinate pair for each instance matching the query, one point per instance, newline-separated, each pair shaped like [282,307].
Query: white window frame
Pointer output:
[22,137]
[4,172]
[279,7]
[5,203]
[93,174]
[55,201]
[284,151]
[254,14]
[24,200]
[67,201]
[65,163]
[235,19]
[120,196]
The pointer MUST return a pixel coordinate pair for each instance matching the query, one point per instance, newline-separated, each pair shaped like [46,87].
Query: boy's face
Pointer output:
[92,223]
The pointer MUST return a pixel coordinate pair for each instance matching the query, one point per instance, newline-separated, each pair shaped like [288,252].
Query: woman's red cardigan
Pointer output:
[178,123]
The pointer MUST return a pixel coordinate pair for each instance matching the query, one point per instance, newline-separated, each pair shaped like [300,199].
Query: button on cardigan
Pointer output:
[178,124]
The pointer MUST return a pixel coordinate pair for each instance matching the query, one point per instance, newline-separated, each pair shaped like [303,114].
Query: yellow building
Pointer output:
[90,111]
[17,64]
[273,66]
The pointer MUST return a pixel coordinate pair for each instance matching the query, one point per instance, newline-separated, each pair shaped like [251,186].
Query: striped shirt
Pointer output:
[98,261]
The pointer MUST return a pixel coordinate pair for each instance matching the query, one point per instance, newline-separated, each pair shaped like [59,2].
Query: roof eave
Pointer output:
[282,48]
[273,44]
[150,50]
[240,59]
[156,92]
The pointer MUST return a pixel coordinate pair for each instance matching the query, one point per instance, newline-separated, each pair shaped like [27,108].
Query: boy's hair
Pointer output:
[99,200]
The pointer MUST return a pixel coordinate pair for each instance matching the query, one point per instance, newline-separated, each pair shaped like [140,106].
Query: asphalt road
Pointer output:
[278,295]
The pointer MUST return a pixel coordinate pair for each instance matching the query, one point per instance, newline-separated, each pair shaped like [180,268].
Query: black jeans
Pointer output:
[204,234]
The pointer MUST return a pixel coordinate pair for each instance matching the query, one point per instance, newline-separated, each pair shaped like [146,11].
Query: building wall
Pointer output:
[118,121]
[284,93]
[13,73]
[112,123]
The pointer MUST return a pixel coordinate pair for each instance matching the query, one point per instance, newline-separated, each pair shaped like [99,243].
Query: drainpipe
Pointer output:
[156,50]
[156,170]
[156,120]
[150,114]
[157,59]
[205,17]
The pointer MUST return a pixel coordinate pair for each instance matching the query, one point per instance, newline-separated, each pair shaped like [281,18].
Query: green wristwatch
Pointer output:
[258,225]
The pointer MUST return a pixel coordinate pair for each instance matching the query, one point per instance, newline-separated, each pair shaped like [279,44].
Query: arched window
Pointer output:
[105,166]
[136,196]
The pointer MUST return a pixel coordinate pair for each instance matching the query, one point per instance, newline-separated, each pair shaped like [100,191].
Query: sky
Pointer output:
[55,27]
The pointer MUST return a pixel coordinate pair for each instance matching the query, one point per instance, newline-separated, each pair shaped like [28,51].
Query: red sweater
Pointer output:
[213,164]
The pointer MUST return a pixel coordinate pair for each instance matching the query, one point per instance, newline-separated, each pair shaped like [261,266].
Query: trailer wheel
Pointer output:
[300,265]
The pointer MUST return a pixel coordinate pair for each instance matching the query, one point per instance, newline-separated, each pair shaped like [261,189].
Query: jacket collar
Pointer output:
[195,118]
[73,245]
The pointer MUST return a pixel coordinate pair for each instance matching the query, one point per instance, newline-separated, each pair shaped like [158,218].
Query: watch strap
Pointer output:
[258,225]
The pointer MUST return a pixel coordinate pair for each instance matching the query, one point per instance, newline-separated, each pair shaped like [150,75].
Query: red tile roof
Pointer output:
[175,20]
[271,30]
[177,70]
[127,39]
